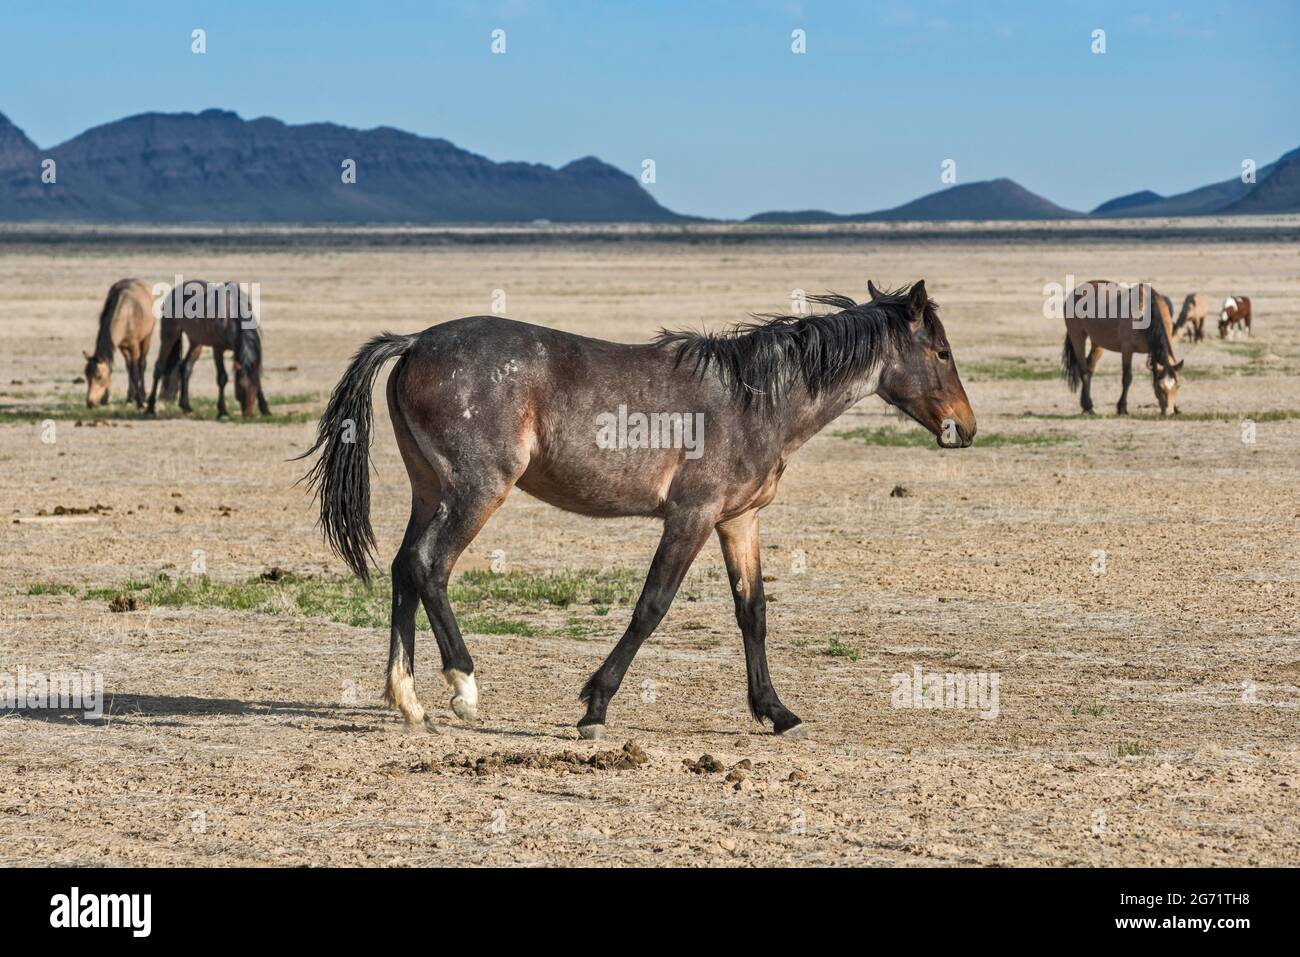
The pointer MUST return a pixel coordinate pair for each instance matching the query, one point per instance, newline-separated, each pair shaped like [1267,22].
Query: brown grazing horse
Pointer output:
[125,323]
[219,315]
[1191,319]
[484,404]
[1124,319]
[1234,317]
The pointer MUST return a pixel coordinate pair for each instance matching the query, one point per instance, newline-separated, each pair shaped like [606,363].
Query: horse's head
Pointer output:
[1160,357]
[99,378]
[920,378]
[248,370]
[1164,379]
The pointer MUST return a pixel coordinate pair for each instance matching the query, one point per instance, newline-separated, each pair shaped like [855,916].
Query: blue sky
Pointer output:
[735,121]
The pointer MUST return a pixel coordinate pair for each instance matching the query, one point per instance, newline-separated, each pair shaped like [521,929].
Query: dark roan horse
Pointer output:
[484,404]
[219,315]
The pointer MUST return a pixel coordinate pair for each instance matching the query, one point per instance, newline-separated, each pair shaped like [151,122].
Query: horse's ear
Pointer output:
[873,291]
[917,299]
[1178,366]
[85,355]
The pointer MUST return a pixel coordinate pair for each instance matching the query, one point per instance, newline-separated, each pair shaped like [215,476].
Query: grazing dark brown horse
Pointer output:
[1125,319]
[219,315]
[125,323]
[1234,317]
[483,404]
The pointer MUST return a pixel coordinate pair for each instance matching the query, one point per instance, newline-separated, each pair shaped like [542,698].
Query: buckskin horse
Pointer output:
[1125,319]
[483,404]
[1191,318]
[126,324]
[219,315]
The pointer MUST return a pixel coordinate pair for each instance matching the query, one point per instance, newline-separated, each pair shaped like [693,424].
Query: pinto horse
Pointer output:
[1234,317]
[126,324]
[1127,320]
[219,315]
[484,404]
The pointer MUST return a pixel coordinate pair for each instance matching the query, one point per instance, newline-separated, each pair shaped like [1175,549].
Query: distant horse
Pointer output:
[484,404]
[217,315]
[125,323]
[1191,319]
[1234,317]
[1123,319]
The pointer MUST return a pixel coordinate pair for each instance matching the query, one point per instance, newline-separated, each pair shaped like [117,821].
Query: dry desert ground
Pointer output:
[1132,584]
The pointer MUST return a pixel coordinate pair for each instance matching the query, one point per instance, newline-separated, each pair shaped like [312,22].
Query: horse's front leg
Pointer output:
[218,356]
[739,538]
[684,535]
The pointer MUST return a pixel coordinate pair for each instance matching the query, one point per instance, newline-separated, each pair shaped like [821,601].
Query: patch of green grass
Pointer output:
[889,436]
[1012,368]
[1270,415]
[838,649]
[1133,749]
[41,588]
[347,600]
[616,586]
[492,625]
[68,409]
[1094,708]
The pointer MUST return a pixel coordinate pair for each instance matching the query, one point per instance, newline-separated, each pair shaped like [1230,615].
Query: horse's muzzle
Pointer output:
[957,433]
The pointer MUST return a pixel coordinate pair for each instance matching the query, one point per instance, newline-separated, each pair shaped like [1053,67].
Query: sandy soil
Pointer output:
[1147,714]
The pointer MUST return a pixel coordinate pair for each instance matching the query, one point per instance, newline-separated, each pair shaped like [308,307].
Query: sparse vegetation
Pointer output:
[887,435]
[1133,749]
[74,408]
[1013,368]
[347,600]
[838,649]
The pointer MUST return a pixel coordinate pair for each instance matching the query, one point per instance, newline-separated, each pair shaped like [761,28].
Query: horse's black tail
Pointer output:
[1071,365]
[341,476]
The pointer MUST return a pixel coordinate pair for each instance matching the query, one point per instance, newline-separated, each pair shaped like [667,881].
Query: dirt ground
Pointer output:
[1133,585]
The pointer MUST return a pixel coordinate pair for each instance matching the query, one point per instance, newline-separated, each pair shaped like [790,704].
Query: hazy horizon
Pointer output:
[735,122]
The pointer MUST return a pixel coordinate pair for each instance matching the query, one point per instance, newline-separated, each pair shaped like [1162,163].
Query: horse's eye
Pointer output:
[945,355]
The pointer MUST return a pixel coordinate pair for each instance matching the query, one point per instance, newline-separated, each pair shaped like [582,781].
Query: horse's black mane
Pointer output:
[759,360]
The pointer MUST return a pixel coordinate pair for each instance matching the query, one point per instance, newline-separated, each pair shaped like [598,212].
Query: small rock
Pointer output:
[707,764]
[900,491]
[797,775]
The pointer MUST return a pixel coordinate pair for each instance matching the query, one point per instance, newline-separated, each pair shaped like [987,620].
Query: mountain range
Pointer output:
[215,166]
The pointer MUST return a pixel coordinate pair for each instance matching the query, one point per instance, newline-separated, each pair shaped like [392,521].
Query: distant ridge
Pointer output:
[1279,192]
[989,199]
[1221,197]
[217,167]
[1144,198]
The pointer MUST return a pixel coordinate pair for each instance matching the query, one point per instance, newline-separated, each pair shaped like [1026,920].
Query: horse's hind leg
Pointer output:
[168,351]
[399,690]
[455,523]
[1127,358]
[684,534]
[739,539]
[1089,366]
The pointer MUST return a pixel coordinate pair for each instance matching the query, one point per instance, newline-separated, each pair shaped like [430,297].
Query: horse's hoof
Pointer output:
[430,725]
[796,731]
[591,732]
[464,709]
